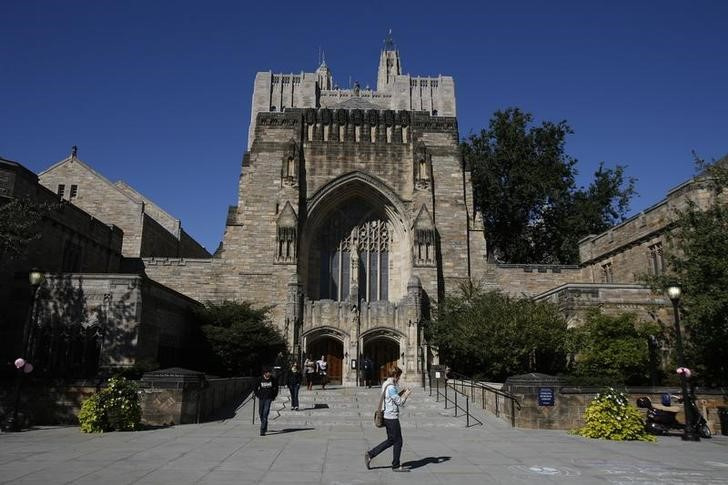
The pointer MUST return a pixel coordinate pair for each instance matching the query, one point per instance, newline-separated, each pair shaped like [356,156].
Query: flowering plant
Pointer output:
[611,416]
[115,408]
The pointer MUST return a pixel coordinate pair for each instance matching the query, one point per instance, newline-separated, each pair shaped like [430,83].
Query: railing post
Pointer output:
[456,402]
[472,389]
[482,396]
[429,379]
[513,413]
[445,395]
[467,412]
[496,405]
[253,409]
[437,385]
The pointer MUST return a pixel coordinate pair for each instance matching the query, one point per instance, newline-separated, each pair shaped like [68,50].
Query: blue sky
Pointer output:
[157,93]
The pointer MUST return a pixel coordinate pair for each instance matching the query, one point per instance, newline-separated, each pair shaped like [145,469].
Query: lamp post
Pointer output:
[35,278]
[674,292]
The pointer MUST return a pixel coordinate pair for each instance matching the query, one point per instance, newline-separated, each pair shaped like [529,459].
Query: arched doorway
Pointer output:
[333,349]
[385,354]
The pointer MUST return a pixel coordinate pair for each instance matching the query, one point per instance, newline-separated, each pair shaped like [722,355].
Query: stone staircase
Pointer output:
[354,407]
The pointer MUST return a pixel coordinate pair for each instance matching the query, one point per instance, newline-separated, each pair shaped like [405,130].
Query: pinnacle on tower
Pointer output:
[390,64]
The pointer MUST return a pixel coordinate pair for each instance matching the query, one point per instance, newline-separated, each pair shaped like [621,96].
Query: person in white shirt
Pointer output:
[394,398]
[322,366]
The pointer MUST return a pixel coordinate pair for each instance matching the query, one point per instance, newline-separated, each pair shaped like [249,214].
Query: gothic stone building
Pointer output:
[355,215]
[352,216]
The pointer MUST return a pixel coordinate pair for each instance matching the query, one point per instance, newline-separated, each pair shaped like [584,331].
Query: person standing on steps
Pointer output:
[266,390]
[309,368]
[394,398]
[322,366]
[294,384]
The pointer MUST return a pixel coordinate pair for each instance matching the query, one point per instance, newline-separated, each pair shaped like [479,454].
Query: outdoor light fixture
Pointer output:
[22,364]
[689,434]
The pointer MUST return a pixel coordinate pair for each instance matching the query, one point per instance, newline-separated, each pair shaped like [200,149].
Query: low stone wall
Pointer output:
[181,396]
[174,400]
[569,403]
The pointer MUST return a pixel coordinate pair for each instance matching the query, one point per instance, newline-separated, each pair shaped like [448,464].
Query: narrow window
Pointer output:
[74,191]
[61,190]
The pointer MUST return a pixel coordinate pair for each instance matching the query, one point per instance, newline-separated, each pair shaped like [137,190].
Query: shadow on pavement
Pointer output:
[289,430]
[425,461]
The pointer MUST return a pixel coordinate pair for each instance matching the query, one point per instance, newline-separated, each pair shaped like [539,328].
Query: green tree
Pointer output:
[19,225]
[492,335]
[611,349]
[524,184]
[696,257]
[240,337]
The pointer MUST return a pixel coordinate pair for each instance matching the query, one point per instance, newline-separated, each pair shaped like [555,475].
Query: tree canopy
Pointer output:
[241,338]
[492,335]
[19,222]
[524,185]
[697,261]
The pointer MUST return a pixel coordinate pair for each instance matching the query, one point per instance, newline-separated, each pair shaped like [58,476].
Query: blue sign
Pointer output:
[545,396]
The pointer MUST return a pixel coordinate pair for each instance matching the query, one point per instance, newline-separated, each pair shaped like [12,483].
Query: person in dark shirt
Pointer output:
[294,384]
[266,390]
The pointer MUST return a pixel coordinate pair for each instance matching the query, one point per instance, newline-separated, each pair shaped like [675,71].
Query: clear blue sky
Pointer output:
[157,93]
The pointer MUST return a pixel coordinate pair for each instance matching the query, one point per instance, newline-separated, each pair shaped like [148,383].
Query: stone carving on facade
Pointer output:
[425,239]
[289,165]
[286,235]
[422,167]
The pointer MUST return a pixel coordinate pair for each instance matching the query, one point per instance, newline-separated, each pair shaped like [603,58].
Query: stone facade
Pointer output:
[69,239]
[353,215]
[148,229]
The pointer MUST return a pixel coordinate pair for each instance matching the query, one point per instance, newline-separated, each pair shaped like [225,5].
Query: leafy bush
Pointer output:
[115,408]
[495,336]
[610,350]
[610,416]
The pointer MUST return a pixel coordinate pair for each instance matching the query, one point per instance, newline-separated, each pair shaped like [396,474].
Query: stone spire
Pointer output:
[390,64]
[324,77]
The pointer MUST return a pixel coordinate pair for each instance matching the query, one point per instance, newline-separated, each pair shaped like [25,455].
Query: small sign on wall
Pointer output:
[437,375]
[545,396]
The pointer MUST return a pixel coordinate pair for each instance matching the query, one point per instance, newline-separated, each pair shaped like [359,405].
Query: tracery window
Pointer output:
[354,251]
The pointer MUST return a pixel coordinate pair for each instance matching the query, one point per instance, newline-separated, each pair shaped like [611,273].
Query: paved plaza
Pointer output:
[325,443]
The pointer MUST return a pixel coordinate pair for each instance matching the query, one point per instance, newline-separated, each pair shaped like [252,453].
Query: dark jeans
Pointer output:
[294,394]
[263,410]
[394,438]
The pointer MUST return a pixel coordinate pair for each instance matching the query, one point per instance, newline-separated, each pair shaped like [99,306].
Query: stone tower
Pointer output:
[353,216]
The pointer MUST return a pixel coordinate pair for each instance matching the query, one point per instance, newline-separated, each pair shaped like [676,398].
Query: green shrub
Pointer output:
[610,416]
[115,408]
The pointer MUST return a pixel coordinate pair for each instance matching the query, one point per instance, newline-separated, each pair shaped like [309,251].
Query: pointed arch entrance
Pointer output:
[329,343]
[383,347]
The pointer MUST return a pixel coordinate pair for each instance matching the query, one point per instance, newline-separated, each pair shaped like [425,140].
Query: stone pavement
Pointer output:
[325,443]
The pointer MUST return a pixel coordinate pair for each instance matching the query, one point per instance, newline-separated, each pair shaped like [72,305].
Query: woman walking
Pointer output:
[309,368]
[394,398]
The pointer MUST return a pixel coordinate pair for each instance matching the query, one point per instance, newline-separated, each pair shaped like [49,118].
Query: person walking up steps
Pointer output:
[266,390]
[394,398]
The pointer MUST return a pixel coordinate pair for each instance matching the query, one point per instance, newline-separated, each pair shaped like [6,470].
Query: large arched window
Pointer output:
[354,252]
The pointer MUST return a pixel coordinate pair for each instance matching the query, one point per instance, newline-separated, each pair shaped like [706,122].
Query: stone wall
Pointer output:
[181,396]
[625,253]
[532,279]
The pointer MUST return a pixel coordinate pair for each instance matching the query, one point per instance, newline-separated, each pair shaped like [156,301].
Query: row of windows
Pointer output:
[286,79]
[423,83]
[62,191]
[655,261]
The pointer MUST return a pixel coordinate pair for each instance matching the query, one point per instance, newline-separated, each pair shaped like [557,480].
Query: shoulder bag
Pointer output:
[379,414]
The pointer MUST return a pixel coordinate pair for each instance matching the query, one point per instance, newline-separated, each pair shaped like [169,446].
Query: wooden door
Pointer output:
[385,354]
[334,352]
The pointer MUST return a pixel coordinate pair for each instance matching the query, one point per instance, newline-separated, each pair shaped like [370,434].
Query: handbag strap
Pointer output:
[381,398]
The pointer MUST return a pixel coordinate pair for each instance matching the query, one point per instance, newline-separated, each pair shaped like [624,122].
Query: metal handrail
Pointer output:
[472,384]
[468,416]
